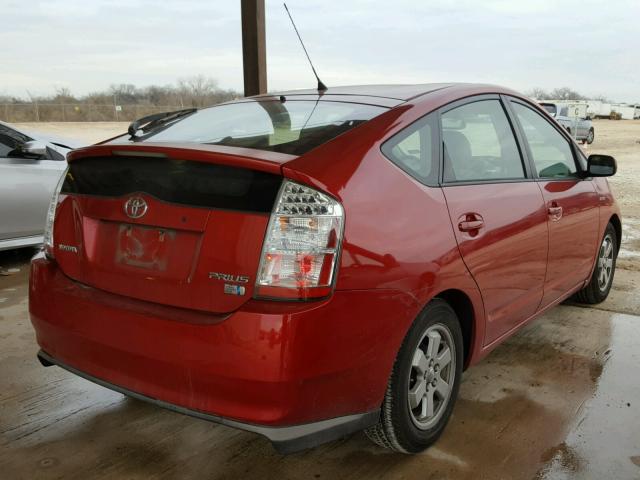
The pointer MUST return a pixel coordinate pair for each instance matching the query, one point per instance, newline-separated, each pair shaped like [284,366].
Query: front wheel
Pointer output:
[424,382]
[601,280]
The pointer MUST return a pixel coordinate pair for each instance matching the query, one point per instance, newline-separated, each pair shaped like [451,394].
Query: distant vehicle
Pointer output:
[599,109]
[584,126]
[626,112]
[30,167]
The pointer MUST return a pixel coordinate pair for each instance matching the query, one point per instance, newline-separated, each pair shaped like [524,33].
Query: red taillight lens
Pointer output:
[302,244]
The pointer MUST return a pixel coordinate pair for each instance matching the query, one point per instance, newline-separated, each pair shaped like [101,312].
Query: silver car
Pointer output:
[30,167]
[580,128]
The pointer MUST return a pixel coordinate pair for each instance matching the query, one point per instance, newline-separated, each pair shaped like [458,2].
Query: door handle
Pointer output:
[555,212]
[470,222]
[467,226]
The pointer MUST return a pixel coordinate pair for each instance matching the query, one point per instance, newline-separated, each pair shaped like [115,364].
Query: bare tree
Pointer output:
[537,93]
[122,101]
[198,91]
[63,94]
[565,93]
[124,92]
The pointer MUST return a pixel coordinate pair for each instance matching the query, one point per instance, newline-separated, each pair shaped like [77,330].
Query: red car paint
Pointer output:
[281,363]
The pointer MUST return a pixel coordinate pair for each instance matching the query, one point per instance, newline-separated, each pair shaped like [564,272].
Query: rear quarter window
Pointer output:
[414,150]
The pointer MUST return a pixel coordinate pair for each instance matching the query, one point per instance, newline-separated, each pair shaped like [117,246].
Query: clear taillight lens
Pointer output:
[51,216]
[301,246]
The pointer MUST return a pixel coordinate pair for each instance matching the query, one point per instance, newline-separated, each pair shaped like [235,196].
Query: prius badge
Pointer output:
[135,207]
[231,288]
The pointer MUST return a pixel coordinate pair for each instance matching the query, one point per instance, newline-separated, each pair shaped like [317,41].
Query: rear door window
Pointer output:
[479,144]
[551,152]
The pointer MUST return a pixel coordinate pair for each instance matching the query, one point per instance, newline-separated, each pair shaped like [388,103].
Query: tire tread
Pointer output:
[386,432]
[591,295]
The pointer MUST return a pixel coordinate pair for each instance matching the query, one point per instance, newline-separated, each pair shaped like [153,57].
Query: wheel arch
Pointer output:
[617,225]
[462,305]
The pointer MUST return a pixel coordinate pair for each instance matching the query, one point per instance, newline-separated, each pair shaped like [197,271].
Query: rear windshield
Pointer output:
[292,126]
[195,184]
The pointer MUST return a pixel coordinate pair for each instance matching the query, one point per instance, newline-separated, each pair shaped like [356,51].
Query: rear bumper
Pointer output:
[298,373]
[284,439]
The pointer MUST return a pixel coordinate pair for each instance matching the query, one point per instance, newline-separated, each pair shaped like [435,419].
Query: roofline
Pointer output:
[306,91]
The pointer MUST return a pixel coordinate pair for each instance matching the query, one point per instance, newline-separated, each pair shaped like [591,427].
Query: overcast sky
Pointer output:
[86,45]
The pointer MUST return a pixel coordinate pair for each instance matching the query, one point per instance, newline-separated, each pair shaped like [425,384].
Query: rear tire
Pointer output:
[424,382]
[601,280]
[591,137]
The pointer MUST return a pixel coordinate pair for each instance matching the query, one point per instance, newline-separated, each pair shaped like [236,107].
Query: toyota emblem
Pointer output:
[135,207]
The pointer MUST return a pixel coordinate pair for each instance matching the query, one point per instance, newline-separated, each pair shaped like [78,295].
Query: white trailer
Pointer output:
[627,112]
[598,109]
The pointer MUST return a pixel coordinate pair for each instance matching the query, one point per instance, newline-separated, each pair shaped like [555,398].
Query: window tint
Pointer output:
[293,126]
[412,150]
[181,182]
[551,152]
[479,144]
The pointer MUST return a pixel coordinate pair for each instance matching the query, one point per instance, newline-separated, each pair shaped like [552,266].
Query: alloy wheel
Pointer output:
[432,376]
[605,263]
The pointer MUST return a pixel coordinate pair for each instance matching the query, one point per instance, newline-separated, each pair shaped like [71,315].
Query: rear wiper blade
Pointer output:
[150,122]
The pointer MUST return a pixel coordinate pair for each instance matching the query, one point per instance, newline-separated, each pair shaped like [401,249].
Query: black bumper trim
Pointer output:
[285,440]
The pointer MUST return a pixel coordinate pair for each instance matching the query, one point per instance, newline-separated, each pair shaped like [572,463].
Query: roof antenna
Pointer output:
[321,86]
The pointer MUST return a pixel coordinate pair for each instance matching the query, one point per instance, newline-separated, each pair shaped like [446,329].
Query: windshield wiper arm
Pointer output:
[150,122]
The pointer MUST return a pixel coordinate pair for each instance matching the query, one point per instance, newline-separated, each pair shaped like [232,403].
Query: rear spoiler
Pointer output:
[253,159]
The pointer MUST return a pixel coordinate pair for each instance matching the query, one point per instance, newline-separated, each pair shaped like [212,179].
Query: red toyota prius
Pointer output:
[310,264]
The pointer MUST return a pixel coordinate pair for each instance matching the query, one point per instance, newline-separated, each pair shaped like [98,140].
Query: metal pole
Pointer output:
[254,51]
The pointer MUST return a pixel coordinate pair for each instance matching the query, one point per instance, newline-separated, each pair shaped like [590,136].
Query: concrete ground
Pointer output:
[561,399]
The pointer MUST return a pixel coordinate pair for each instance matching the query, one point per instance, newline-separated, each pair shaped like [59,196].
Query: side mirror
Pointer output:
[601,166]
[33,149]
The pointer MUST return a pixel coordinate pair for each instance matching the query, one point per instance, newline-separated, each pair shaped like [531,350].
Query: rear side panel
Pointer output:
[397,232]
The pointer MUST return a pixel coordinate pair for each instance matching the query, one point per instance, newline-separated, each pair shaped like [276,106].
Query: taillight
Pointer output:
[51,216]
[302,245]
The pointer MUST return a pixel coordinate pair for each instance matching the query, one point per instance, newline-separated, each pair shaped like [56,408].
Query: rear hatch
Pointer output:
[177,226]
[177,212]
